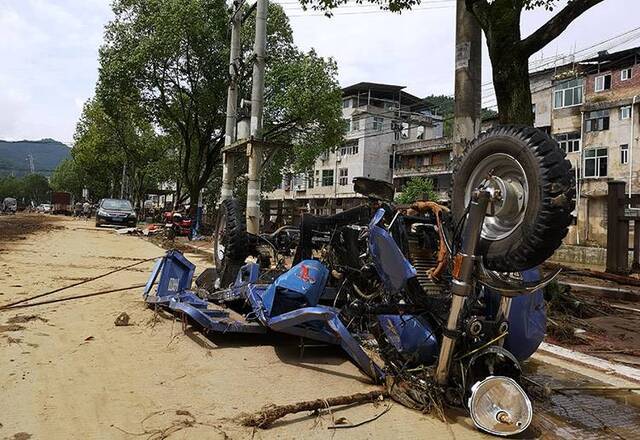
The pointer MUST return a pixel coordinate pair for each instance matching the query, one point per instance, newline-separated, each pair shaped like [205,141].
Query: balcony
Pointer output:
[423,170]
[424,146]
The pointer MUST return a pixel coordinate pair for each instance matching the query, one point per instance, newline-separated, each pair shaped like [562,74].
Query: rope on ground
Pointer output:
[69,298]
[60,289]
[355,425]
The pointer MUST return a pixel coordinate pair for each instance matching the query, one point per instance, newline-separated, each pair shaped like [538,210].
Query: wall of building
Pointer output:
[542,99]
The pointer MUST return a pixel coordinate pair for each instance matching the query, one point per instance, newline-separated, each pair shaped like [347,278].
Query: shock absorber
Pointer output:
[463,281]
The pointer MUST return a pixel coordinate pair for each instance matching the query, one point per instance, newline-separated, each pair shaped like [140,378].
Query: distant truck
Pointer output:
[9,205]
[61,202]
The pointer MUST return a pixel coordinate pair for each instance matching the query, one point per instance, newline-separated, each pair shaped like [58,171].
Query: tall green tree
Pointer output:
[509,52]
[171,57]
[36,189]
[105,144]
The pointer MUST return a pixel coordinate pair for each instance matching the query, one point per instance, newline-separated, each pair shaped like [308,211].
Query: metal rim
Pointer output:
[220,240]
[506,177]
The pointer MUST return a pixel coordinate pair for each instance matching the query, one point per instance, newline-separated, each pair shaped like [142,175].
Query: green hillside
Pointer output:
[47,155]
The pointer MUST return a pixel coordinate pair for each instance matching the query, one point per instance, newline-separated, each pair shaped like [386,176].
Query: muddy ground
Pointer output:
[70,373]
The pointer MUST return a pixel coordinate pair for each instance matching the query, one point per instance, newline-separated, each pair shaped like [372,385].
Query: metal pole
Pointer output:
[257,105]
[468,80]
[232,102]
[462,283]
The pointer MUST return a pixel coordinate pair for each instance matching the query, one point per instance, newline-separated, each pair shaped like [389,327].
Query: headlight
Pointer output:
[499,406]
[102,213]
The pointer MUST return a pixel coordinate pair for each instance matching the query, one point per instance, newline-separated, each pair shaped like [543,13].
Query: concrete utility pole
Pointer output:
[468,78]
[257,104]
[232,102]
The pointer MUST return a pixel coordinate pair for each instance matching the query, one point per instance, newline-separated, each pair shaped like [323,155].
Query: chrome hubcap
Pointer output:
[505,178]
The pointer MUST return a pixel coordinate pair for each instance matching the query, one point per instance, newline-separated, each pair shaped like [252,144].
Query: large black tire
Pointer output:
[550,183]
[231,233]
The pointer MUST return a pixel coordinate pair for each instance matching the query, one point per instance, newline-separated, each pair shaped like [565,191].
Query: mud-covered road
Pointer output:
[69,373]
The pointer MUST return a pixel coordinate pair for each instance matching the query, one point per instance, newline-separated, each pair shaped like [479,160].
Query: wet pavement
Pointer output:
[579,414]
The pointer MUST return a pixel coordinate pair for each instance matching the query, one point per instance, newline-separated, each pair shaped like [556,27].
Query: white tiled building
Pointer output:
[379,117]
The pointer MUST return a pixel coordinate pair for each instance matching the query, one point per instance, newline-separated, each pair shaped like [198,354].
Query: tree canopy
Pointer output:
[170,60]
[418,188]
[32,188]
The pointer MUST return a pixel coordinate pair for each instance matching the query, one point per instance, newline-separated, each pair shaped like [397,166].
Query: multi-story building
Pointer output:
[429,158]
[594,117]
[381,118]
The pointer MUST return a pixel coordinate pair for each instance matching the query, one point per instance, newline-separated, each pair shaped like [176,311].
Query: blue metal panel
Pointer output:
[390,263]
[213,320]
[411,336]
[154,275]
[306,280]
[177,274]
[249,273]
[527,319]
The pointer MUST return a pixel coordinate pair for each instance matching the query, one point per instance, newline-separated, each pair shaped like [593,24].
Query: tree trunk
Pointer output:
[194,193]
[509,60]
[512,87]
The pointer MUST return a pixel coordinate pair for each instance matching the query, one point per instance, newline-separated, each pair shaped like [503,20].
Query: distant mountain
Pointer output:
[47,155]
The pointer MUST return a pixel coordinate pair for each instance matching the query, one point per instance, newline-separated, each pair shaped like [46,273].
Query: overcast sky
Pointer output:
[48,52]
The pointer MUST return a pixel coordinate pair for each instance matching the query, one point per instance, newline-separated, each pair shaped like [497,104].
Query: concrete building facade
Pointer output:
[594,118]
[380,118]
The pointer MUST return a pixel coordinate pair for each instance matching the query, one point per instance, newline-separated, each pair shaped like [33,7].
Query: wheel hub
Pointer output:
[505,178]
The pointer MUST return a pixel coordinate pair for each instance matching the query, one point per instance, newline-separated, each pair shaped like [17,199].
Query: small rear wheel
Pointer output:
[537,185]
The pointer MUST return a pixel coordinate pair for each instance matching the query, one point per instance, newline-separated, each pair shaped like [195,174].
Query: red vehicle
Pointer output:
[177,225]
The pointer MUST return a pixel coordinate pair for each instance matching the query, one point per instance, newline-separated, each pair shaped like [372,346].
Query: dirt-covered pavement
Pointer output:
[69,373]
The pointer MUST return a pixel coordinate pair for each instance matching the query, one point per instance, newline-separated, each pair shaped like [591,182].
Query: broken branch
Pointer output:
[265,417]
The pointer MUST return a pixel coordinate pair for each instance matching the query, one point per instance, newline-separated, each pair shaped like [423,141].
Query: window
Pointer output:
[533,109]
[569,142]
[598,120]
[405,130]
[420,132]
[355,124]
[310,181]
[624,154]
[595,162]
[346,103]
[327,177]
[625,74]
[377,123]
[299,182]
[603,82]
[343,176]
[625,112]
[568,93]
[349,148]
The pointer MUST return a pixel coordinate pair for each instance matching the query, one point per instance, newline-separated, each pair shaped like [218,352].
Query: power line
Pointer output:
[554,84]
[559,57]
[491,93]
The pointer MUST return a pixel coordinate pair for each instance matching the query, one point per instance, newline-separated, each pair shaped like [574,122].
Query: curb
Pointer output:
[585,360]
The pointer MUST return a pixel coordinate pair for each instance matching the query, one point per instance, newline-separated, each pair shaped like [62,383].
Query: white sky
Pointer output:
[48,52]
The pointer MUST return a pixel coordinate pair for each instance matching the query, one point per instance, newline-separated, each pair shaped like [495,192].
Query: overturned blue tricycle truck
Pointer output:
[441,304]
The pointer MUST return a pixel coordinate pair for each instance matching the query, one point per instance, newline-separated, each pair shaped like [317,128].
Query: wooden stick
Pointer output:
[69,298]
[265,417]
